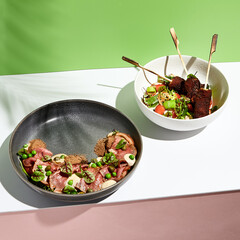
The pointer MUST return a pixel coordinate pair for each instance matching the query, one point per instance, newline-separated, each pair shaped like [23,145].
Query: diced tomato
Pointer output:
[177,95]
[160,109]
[157,86]
[210,106]
[174,115]
[190,107]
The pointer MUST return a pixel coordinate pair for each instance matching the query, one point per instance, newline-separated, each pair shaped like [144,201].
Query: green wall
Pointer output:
[58,35]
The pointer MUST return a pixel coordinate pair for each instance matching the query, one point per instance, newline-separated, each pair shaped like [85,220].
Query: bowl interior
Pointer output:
[71,127]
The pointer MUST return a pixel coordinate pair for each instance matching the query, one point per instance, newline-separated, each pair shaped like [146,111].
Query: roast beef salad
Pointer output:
[73,174]
[179,98]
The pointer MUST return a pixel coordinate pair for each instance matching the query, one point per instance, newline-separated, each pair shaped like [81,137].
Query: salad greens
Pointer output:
[173,104]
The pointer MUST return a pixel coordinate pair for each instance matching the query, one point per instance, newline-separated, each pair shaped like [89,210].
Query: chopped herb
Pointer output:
[46,158]
[94,160]
[215,108]
[162,88]
[114,132]
[88,177]
[48,173]
[169,76]
[67,168]
[152,101]
[69,190]
[21,152]
[121,144]
[47,188]
[191,76]
[110,159]
[79,174]
[37,176]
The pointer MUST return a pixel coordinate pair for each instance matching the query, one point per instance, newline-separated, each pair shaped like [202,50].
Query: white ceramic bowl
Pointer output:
[172,64]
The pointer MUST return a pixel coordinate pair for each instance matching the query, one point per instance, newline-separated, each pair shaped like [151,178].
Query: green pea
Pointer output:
[108,175]
[111,168]
[39,166]
[34,152]
[114,174]
[25,146]
[93,165]
[48,168]
[48,173]
[24,156]
[131,157]
[99,164]
[89,190]
[70,182]
[62,156]
[29,155]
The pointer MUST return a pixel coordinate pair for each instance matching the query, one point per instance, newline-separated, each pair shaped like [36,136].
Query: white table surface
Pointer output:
[172,163]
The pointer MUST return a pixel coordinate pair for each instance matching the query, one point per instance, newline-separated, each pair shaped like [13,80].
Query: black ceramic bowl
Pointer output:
[72,127]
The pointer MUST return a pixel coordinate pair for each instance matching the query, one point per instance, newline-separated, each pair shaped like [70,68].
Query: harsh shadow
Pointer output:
[20,191]
[127,104]
[188,65]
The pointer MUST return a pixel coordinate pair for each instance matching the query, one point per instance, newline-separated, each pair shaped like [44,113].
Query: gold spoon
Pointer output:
[143,68]
[212,50]
[176,42]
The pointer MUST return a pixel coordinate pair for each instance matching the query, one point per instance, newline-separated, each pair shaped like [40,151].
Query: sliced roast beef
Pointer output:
[75,168]
[104,170]
[57,181]
[42,153]
[93,170]
[130,149]
[82,186]
[127,149]
[97,184]
[54,166]
[39,162]
[29,162]
[125,136]
[122,172]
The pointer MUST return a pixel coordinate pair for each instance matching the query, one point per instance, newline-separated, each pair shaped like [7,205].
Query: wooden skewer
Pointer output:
[176,42]
[212,50]
[143,68]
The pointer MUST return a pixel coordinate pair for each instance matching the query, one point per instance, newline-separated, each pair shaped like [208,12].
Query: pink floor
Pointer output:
[213,216]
